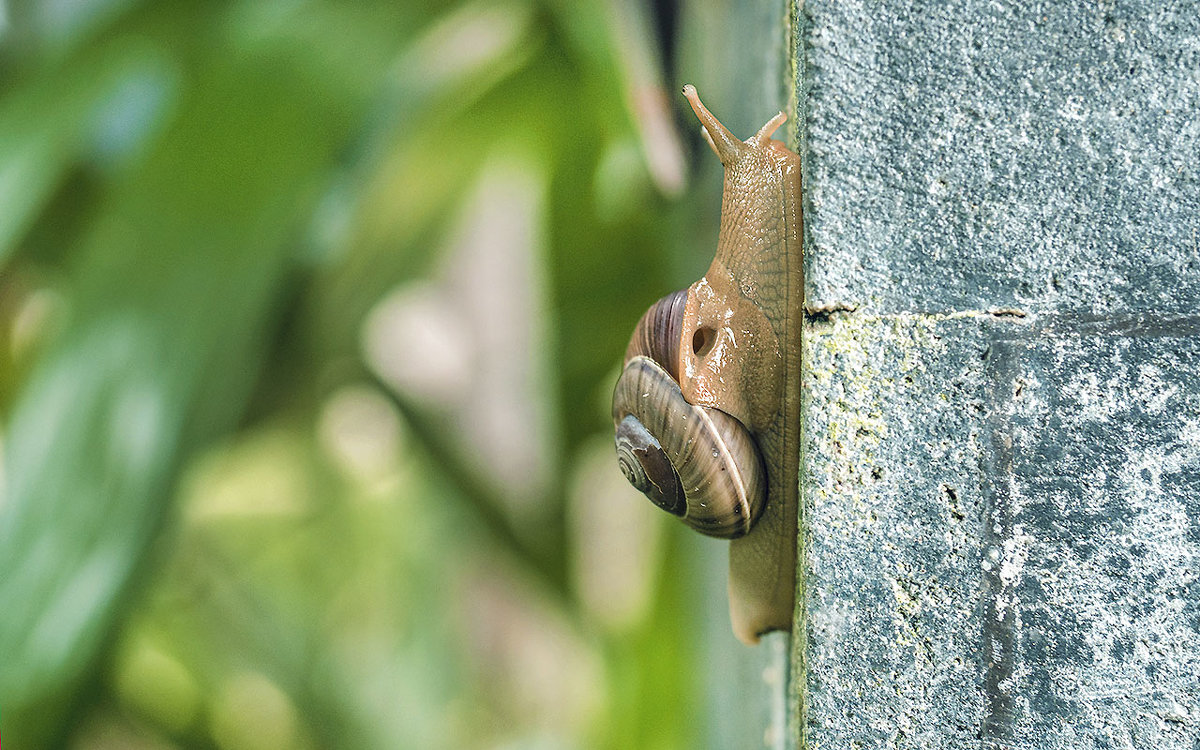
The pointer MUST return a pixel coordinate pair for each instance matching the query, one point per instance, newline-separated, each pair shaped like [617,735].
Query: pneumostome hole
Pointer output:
[703,340]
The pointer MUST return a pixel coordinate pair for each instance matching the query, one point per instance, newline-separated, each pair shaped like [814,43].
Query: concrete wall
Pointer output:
[1002,430]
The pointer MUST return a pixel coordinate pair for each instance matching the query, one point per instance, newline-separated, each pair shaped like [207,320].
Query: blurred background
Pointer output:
[310,314]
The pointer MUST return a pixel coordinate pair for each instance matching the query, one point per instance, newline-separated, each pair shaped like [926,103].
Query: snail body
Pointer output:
[706,410]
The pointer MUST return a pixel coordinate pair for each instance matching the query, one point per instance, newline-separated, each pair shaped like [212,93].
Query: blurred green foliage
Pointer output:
[220,525]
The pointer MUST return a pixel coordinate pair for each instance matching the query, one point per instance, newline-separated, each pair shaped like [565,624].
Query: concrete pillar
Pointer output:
[1001,464]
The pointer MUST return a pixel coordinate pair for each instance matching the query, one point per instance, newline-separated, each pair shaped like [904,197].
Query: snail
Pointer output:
[707,407]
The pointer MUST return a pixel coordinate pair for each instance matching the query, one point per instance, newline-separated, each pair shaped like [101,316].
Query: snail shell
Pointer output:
[695,462]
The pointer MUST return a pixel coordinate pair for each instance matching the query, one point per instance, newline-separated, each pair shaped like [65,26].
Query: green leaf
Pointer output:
[47,123]
[176,290]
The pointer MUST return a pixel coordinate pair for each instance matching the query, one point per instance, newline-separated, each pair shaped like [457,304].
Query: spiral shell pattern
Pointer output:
[693,461]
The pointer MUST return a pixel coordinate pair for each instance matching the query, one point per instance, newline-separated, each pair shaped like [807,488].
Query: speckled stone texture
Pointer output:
[1001,473]
[970,153]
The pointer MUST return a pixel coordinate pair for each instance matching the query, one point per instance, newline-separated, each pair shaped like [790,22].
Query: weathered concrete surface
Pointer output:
[1002,513]
[1003,532]
[965,154]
